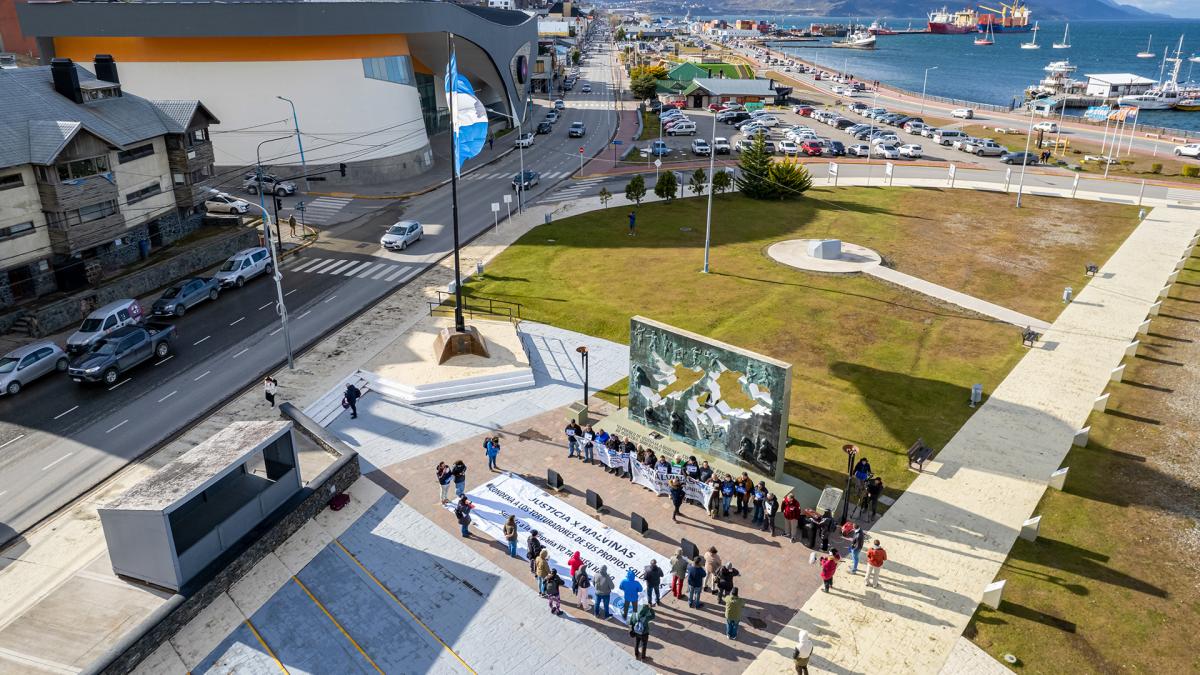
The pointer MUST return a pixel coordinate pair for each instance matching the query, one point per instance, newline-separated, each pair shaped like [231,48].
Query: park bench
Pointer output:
[918,454]
[1029,336]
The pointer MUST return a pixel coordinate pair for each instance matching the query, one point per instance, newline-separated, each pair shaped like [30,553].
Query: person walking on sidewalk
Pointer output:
[875,559]
[695,579]
[510,535]
[553,584]
[857,538]
[631,588]
[459,471]
[444,478]
[270,386]
[712,564]
[491,448]
[802,653]
[463,513]
[734,606]
[604,589]
[653,575]
[639,629]
[679,566]
[350,400]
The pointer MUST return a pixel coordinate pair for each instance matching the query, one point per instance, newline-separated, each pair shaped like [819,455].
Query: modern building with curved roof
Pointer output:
[365,76]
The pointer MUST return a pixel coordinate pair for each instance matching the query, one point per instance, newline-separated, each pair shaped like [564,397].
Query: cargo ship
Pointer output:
[1012,18]
[945,22]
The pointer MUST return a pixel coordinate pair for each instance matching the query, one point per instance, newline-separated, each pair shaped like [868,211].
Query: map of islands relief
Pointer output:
[725,402]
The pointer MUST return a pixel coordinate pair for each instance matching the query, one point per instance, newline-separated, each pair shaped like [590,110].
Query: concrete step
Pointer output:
[442,391]
[327,408]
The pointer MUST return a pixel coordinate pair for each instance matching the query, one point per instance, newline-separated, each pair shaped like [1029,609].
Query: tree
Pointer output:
[697,183]
[575,56]
[604,196]
[755,163]
[657,72]
[721,181]
[643,86]
[667,186]
[790,180]
[620,34]
[635,190]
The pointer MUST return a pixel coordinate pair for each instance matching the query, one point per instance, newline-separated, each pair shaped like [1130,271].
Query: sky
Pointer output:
[1177,8]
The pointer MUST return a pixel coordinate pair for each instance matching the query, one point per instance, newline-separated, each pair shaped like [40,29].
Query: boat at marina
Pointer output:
[1033,44]
[878,28]
[1189,105]
[859,39]
[945,22]
[1012,18]
[1168,94]
[1057,82]
[1146,53]
[1066,41]
[987,39]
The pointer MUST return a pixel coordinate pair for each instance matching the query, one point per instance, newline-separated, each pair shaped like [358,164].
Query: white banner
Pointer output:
[660,482]
[611,459]
[563,529]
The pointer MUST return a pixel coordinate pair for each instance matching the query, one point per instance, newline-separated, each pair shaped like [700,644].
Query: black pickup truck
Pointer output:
[121,350]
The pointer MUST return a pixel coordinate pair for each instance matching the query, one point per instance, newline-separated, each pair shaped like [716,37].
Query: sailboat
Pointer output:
[988,39]
[1034,44]
[1146,54]
[1066,41]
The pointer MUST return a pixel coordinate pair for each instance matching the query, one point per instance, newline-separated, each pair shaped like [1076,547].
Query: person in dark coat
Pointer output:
[653,575]
[459,471]
[533,546]
[676,497]
[351,397]
[822,525]
[725,577]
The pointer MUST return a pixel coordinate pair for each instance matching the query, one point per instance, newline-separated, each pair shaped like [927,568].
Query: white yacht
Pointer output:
[857,40]
[1167,94]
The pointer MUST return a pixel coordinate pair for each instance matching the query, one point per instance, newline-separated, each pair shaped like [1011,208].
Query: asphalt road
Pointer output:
[58,439]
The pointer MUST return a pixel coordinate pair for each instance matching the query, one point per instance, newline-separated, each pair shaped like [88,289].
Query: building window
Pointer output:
[199,135]
[82,168]
[16,230]
[146,192]
[396,69]
[13,180]
[201,174]
[135,153]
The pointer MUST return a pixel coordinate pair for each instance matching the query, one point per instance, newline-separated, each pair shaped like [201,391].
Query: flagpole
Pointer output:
[460,325]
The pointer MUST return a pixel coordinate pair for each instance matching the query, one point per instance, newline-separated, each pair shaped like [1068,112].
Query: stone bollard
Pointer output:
[1058,478]
[992,594]
[1117,373]
[1131,350]
[1100,403]
[1029,529]
[1081,437]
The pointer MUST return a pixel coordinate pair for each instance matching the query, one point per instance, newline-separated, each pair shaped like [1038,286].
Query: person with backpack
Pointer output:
[676,488]
[350,400]
[604,589]
[553,584]
[734,607]
[725,577]
[510,535]
[631,589]
[491,448]
[444,478]
[679,565]
[695,579]
[533,546]
[653,575]
[542,570]
[462,513]
[640,631]
[581,582]
[459,471]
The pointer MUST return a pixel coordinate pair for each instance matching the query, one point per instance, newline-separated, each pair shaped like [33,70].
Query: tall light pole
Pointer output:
[1025,157]
[299,142]
[712,175]
[923,83]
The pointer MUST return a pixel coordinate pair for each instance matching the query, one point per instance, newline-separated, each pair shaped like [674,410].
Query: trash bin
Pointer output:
[809,537]
[548,218]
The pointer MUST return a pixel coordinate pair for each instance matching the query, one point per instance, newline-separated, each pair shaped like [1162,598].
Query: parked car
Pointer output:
[789,148]
[525,140]
[961,144]
[963,113]
[657,148]
[576,130]
[835,149]
[769,146]
[1048,127]
[400,235]
[736,117]
[102,321]
[803,110]
[721,145]
[244,266]
[911,151]
[986,148]
[1019,158]
[744,144]
[886,151]
[701,147]
[23,365]
[812,148]
[552,117]
[843,123]
[271,185]
[526,180]
[928,132]
[948,136]
[544,127]
[684,128]
[859,150]
[914,128]
[181,297]
[223,203]
[1188,150]
[120,351]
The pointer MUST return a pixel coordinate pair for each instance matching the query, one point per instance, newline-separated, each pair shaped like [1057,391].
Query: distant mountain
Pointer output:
[1055,9]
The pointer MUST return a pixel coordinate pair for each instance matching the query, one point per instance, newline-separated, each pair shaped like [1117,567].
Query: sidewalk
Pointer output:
[950,532]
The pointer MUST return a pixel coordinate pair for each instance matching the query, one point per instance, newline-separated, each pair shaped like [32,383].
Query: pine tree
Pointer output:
[755,178]
[790,180]
[604,196]
[721,182]
[666,187]
[636,189]
[697,184]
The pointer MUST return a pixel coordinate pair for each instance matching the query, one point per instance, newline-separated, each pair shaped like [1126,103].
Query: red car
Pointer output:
[811,149]
[803,110]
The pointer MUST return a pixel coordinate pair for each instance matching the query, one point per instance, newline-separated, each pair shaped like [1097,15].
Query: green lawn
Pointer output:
[872,364]
[1110,584]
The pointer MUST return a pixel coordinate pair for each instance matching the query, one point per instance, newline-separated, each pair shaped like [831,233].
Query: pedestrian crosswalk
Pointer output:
[507,175]
[322,210]
[373,269]
[573,190]
[601,105]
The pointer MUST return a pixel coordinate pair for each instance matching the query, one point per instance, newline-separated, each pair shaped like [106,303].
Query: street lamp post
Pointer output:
[1025,157]
[925,82]
[299,142]
[712,161]
[850,450]
[583,355]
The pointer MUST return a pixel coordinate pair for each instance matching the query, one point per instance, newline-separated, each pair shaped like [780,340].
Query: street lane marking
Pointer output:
[304,315]
[66,412]
[165,360]
[264,306]
[387,269]
[330,299]
[120,383]
[370,270]
[59,460]
[290,292]
[7,443]
[306,263]
[241,352]
[201,340]
[238,321]
[336,269]
[168,396]
[276,331]
[357,268]
[324,264]
[202,375]
[116,427]
[393,275]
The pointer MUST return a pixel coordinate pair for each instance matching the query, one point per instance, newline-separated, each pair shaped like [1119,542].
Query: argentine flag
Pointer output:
[468,116]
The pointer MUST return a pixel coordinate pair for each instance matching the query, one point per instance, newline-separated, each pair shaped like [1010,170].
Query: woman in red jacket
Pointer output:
[791,516]
[574,563]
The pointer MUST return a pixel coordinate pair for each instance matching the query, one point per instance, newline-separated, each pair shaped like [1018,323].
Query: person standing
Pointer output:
[791,516]
[631,589]
[604,589]
[572,432]
[822,525]
[553,584]
[270,386]
[589,445]
[444,478]
[463,513]
[581,582]
[734,606]
[725,577]
[874,491]
[632,223]
[533,547]
[695,579]
[653,575]
[574,563]
[759,499]
[676,489]
[802,653]
[770,508]
[727,490]
[829,565]
[712,564]
[491,448]
[679,566]
[510,535]
[292,223]
[743,487]
[350,399]
[459,471]
[542,571]
[857,538]
[640,630]
[875,559]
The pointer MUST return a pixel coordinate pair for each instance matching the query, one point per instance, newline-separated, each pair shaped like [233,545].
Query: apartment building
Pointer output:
[92,178]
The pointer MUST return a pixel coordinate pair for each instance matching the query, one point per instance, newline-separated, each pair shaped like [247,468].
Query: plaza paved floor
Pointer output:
[948,535]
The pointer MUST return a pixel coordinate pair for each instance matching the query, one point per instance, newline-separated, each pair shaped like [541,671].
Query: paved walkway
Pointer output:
[948,535]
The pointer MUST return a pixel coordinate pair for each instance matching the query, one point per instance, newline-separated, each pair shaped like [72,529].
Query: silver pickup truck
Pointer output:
[188,293]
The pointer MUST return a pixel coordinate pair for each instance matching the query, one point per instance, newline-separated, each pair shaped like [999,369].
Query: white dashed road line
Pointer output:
[304,315]
[201,340]
[168,396]
[120,383]
[241,352]
[264,307]
[116,427]
[201,375]
[290,292]
[330,298]
[165,360]
[8,443]
[59,460]
[238,321]
[66,412]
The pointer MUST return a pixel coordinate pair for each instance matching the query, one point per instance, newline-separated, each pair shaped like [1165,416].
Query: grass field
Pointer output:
[872,364]
[1110,585]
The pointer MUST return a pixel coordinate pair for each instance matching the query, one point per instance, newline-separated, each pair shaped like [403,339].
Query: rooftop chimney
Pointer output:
[66,79]
[106,68]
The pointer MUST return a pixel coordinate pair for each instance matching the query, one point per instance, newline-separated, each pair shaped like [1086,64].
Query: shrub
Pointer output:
[1191,171]
[1156,167]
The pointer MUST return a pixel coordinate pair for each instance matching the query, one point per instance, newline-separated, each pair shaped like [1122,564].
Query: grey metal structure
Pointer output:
[173,524]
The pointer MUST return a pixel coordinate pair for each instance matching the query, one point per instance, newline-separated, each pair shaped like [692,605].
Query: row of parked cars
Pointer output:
[119,336]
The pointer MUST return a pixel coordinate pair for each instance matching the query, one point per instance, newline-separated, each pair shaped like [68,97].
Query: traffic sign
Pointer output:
[581,150]
[657,163]
[617,141]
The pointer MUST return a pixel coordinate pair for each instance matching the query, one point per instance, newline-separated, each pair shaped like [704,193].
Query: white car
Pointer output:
[525,140]
[223,203]
[839,90]
[886,151]
[1048,127]
[789,148]
[885,139]
[915,128]
[400,235]
[767,120]
[911,151]
[928,132]
[701,147]
[1189,150]
[721,145]
[859,150]
[244,266]
[964,113]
